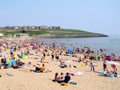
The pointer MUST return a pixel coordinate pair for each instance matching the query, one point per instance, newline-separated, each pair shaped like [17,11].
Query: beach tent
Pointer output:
[69,51]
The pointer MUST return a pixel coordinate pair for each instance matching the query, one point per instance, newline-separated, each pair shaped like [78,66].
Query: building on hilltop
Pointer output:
[29,27]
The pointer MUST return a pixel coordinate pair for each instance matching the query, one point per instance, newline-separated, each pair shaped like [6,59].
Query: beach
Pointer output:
[23,79]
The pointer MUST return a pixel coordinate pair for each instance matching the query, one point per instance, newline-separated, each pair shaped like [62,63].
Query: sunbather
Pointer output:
[67,78]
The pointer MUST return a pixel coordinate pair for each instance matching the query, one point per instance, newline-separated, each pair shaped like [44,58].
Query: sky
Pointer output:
[101,16]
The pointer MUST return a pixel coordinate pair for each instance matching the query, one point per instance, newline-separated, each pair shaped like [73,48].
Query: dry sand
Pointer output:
[23,79]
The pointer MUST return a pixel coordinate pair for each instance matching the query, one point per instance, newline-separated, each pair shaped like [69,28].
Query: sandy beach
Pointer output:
[23,79]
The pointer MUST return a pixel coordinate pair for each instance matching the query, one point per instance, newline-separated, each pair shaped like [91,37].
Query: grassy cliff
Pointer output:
[54,33]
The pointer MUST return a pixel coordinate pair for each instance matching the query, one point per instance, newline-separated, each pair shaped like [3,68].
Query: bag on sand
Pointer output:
[64,84]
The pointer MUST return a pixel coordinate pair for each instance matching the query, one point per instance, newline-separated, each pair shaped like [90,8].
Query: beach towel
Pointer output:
[19,55]
[68,61]
[118,75]
[101,73]
[79,74]
[73,83]
[82,65]
[25,57]
[76,73]
[111,75]
[8,74]
[15,56]
[36,58]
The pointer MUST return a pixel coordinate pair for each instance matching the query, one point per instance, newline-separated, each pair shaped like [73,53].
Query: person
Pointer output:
[11,51]
[37,68]
[66,79]
[4,62]
[52,55]
[61,77]
[15,48]
[0,52]
[56,78]
[63,65]
[14,64]
[92,67]
[19,63]
[114,70]
[42,69]
[43,57]
[104,66]
[79,60]
[57,57]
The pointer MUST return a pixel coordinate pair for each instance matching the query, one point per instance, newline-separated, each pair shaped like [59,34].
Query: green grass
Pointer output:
[32,32]
[59,32]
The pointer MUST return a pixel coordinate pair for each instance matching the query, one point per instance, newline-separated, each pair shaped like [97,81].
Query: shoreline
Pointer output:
[24,79]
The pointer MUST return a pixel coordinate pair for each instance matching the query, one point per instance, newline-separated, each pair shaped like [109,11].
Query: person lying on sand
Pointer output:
[37,68]
[67,78]
[63,65]
[20,63]
[40,69]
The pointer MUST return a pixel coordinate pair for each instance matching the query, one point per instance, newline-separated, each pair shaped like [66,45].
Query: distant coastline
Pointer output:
[49,32]
[72,36]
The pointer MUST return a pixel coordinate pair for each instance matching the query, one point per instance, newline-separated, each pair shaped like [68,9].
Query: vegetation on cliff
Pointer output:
[54,33]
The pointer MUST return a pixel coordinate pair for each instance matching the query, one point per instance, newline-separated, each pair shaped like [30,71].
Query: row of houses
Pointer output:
[28,27]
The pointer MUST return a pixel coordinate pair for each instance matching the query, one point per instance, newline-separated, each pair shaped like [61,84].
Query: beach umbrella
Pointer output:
[112,62]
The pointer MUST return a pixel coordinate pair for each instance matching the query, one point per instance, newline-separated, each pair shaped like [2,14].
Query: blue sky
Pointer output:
[102,16]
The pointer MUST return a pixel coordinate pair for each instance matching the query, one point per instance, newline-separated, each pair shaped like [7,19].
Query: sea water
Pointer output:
[111,44]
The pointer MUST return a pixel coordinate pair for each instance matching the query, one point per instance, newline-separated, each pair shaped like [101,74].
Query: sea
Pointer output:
[110,44]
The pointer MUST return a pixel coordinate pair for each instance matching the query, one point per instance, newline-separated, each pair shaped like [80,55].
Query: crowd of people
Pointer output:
[13,51]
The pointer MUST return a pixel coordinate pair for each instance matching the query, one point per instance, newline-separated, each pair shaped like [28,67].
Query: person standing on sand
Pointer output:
[43,57]
[52,55]
[92,66]
[57,57]
[104,66]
